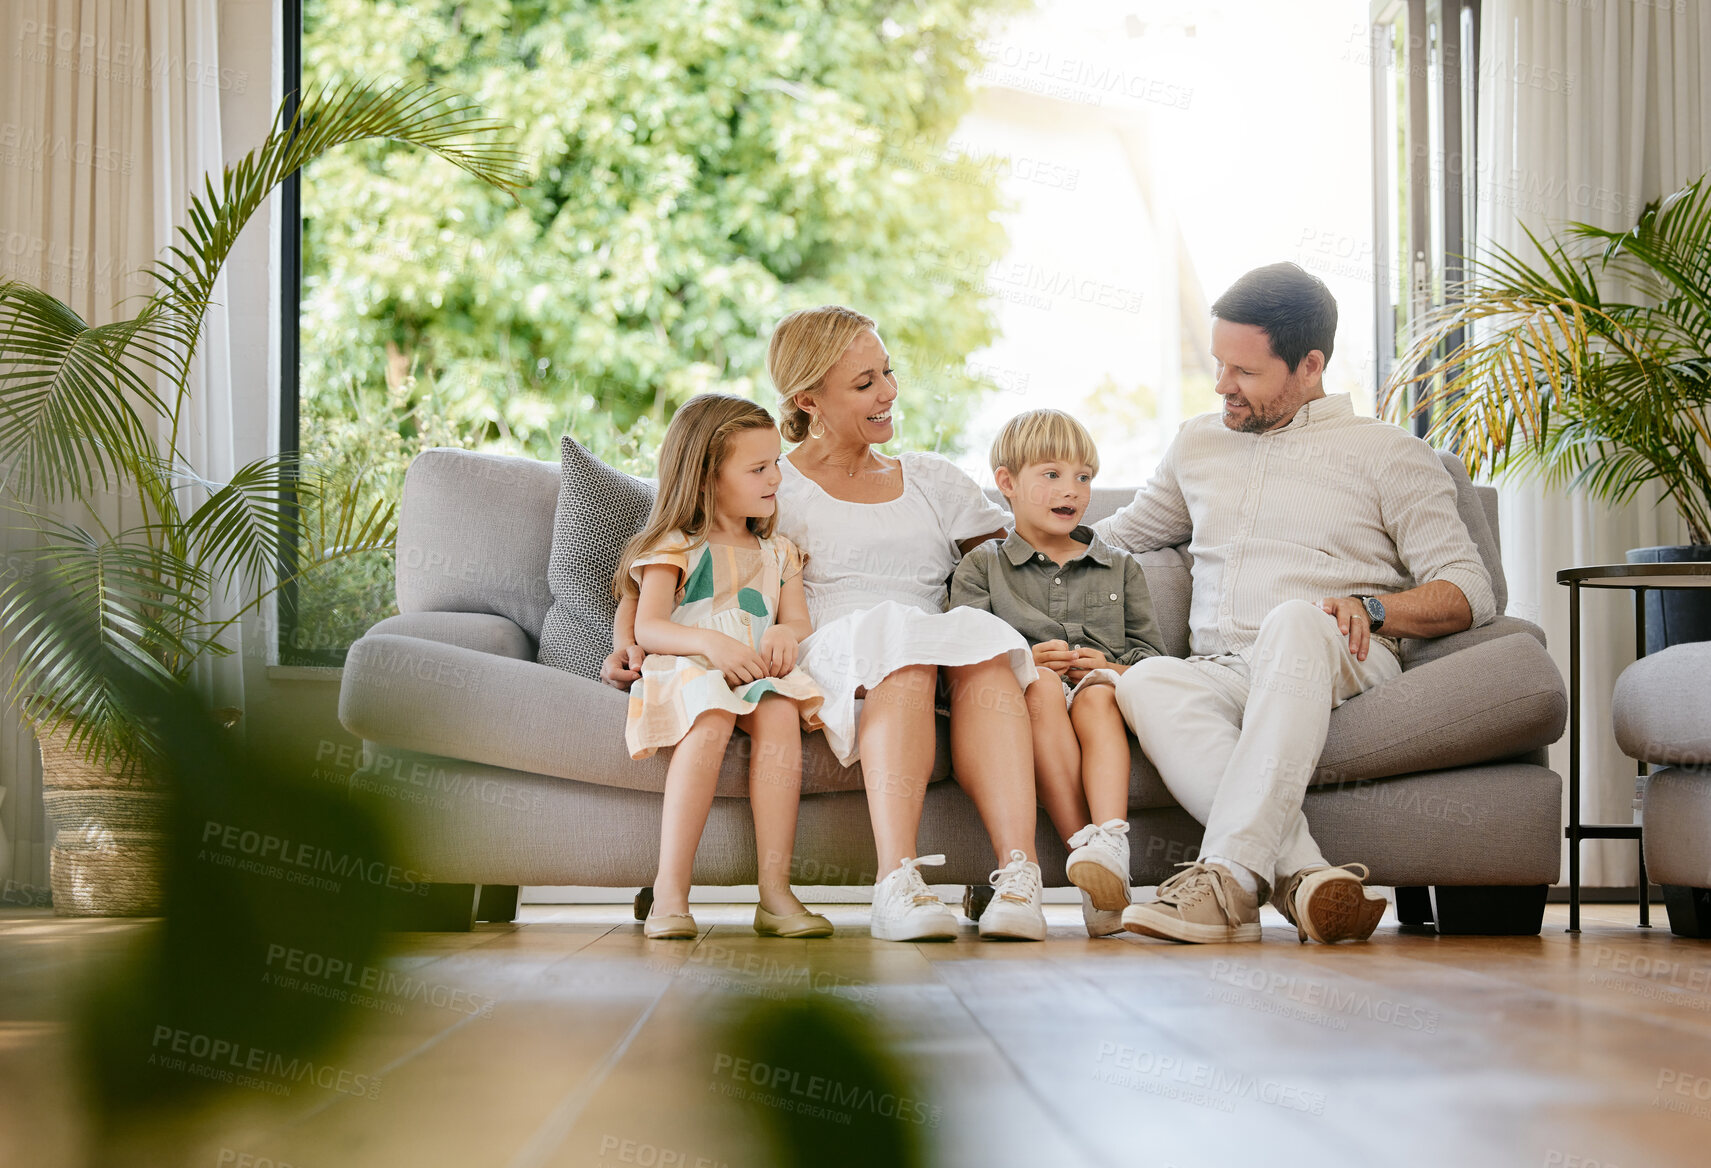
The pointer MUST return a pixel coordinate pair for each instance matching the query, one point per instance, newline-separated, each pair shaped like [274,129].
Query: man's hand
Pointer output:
[1056,656]
[622,666]
[1085,661]
[778,648]
[1352,622]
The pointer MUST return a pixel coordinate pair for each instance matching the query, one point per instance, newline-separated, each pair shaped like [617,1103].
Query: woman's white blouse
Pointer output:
[863,554]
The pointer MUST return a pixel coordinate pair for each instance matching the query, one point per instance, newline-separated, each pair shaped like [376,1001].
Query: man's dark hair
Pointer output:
[1296,310]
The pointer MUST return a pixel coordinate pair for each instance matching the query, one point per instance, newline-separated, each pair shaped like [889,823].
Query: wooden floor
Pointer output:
[567,1039]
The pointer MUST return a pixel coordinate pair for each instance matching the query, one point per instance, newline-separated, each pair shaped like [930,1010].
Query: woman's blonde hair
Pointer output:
[1043,436]
[804,346]
[695,446]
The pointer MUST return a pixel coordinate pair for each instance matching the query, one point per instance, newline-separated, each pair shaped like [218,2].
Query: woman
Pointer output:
[881,536]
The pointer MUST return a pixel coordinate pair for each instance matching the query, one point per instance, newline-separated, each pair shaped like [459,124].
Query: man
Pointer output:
[1318,538]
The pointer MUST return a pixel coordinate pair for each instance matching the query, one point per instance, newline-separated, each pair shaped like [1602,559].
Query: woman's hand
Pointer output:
[1056,656]
[622,666]
[738,662]
[778,648]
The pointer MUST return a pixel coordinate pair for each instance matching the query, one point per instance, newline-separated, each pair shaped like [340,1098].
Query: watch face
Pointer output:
[1374,610]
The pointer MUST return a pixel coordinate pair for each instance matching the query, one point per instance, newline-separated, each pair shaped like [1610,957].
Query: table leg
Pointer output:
[1574,757]
[1640,775]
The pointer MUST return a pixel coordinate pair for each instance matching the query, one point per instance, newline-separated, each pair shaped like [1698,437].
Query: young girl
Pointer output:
[720,613]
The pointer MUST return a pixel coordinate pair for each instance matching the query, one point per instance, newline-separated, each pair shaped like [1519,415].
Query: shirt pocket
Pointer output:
[1101,598]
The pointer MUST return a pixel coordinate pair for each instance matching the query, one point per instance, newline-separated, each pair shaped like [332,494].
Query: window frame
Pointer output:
[1435,122]
[286,646]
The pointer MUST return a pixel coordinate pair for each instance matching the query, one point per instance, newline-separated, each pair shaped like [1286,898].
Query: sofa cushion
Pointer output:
[599,511]
[1471,505]
[1662,706]
[473,535]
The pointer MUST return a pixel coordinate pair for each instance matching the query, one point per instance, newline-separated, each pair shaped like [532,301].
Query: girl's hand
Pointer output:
[739,663]
[778,648]
[622,667]
[1056,656]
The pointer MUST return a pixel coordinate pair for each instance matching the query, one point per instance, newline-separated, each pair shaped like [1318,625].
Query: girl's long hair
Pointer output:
[689,459]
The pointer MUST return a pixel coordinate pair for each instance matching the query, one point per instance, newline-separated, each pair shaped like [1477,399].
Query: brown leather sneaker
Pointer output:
[1201,904]
[1330,904]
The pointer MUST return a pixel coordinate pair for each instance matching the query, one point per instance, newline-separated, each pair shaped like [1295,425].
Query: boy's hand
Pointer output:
[622,667]
[1056,656]
[739,663]
[1085,661]
[778,648]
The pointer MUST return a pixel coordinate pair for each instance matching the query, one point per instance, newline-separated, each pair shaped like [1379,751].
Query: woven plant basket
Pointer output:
[110,832]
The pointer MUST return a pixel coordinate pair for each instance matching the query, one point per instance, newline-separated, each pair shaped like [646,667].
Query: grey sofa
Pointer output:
[497,771]
[1662,711]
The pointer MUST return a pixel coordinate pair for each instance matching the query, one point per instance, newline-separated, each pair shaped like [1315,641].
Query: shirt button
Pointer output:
[1057,580]
[1113,596]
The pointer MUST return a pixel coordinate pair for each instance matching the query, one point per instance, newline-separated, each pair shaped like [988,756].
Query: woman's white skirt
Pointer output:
[860,649]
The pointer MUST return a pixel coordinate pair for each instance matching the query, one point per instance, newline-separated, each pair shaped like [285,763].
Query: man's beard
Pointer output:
[1258,421]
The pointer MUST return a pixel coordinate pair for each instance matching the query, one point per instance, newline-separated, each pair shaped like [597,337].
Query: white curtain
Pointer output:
[1586,113]
[109,117]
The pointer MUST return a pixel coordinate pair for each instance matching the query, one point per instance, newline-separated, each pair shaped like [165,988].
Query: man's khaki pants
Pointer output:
[1237,737]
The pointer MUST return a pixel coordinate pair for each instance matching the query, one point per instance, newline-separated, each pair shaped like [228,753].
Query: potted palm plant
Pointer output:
[1588,363]
[90,413]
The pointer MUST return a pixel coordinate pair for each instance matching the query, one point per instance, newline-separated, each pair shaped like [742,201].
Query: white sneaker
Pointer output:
[905,909]
[1015,912]
[1100,922]
[1099,865]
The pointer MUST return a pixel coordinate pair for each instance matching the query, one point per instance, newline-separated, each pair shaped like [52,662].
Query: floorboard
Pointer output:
[567,1040]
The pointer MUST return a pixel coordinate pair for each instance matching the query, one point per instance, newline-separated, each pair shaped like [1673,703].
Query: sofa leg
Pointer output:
[644,902]
[975,898]
[496,903]
[1414,909]
[1489,910]
[443,908]
[1689,910]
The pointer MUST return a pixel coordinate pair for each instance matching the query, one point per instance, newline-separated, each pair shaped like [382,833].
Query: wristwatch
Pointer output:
[1374,611]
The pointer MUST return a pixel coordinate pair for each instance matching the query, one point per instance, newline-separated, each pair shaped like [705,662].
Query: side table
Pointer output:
[1638,578]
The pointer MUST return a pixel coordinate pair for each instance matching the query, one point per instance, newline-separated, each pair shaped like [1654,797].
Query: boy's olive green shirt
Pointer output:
[1098,600]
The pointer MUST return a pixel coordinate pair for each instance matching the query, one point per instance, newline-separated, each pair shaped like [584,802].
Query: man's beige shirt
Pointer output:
[1332,504]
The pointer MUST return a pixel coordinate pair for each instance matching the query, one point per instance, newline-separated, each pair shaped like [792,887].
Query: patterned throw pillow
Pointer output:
[599,510]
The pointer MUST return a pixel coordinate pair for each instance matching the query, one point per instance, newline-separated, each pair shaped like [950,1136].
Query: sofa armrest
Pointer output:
[1662,707]
[480,631]
[1417,652]
[432,698]
[1491,701]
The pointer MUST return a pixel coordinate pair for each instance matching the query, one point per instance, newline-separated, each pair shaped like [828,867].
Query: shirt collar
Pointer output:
[1319,411]
[1019,551]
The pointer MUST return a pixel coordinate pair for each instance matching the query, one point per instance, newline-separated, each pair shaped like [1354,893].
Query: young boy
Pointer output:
[1084,608]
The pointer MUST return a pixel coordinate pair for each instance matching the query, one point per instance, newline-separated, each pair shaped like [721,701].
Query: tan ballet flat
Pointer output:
[670,927]
[802,924]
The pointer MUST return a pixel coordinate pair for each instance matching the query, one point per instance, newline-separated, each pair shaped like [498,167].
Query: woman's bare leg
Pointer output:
[1057,755]
[897,738]
[1104,741]
[775,789]
[992,752]
[689,783]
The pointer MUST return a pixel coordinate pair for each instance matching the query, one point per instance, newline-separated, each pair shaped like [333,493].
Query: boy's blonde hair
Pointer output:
[804,347]
[1043,436]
